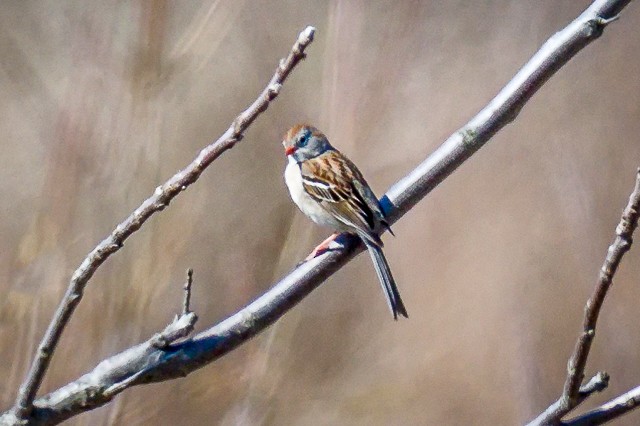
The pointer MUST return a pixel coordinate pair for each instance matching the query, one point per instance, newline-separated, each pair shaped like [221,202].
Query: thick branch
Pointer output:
[149,364]
[157,202]
[571,395]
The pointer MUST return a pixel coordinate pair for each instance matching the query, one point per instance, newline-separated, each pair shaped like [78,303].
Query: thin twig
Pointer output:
[571,396]
[187,292]
[181,359]
[182,324]
[609,410]
[157,202]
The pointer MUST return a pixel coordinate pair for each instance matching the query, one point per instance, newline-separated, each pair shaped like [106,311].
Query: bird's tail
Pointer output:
[386,280]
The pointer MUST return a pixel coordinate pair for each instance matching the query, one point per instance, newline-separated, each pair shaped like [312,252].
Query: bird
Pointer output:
[329,189]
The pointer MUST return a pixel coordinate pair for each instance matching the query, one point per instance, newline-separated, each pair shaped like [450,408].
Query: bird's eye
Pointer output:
[304,139]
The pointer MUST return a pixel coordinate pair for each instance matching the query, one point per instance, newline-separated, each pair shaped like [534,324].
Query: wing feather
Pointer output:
[331,180]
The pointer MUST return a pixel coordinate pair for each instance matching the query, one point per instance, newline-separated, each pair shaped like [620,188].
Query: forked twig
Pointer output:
[571,394]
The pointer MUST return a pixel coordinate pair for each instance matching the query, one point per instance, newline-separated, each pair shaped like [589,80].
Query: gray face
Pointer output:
[308,143]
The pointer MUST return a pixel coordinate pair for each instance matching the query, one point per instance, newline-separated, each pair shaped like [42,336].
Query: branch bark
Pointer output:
[146,363]
[571,396]
[157,202]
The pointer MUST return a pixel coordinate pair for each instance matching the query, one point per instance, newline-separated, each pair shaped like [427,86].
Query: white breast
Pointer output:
[308,206]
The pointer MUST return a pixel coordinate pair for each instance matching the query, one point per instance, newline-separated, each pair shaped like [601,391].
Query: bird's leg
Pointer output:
[323,247]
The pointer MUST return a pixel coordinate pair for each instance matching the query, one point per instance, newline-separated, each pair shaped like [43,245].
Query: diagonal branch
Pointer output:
[145,363]
[571,396]
[157,202]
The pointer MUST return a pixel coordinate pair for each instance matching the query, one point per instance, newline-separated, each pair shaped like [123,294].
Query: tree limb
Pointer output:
[157,202]
[571,396]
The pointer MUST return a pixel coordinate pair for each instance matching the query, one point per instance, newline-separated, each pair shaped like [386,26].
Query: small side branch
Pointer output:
[571,394]
[187,292]
[157,202]
[182,324]
[598,383]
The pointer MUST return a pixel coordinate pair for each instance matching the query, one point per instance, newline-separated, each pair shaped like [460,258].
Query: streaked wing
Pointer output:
[329,179]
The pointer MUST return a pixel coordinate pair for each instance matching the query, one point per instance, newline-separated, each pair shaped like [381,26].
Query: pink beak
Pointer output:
[289,150]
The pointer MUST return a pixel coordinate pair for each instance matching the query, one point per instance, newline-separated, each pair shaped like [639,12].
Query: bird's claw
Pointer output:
[322,248]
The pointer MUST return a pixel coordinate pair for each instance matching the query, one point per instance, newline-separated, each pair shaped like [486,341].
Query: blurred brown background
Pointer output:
[102,101]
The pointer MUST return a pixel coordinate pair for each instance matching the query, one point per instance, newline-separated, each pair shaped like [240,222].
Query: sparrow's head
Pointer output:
[304,142]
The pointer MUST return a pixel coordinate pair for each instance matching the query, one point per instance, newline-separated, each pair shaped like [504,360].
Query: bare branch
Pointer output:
[609,410]
[146,363]
[157,202]
[571,395]
[504,108]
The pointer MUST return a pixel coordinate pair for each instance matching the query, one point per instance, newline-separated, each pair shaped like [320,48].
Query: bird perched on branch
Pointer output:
[330,190]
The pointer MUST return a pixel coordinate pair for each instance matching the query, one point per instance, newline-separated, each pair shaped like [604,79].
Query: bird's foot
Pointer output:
[322,247]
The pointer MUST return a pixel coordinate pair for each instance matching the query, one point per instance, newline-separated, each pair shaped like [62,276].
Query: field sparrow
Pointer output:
[330,190]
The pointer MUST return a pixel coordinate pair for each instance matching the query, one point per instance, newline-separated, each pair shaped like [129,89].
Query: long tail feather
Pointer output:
[386,280]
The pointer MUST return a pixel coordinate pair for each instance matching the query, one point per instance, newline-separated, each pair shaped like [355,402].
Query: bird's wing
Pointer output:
[334,182]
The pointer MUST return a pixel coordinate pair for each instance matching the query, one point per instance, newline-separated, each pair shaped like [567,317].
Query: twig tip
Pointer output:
[306,36]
